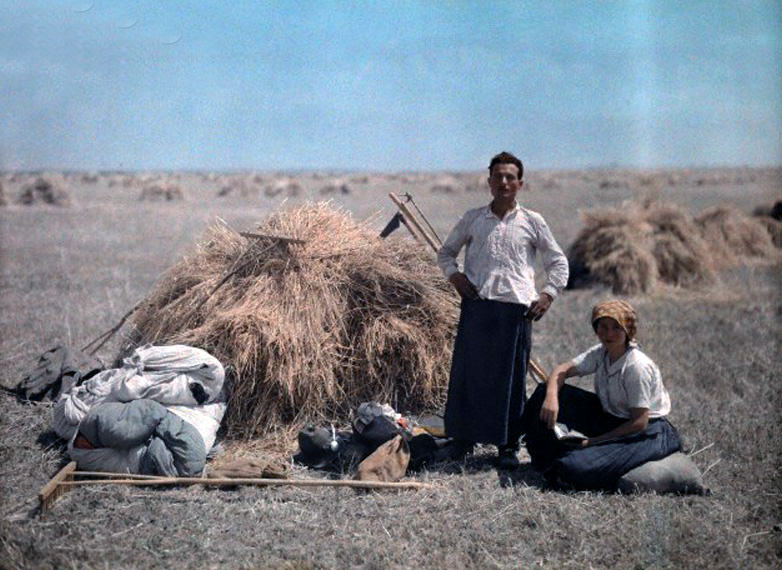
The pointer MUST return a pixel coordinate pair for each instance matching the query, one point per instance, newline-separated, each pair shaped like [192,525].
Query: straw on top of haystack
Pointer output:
[312,323]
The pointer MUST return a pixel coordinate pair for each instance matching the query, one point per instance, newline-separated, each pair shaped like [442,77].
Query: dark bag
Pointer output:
[58,370]
[377,432]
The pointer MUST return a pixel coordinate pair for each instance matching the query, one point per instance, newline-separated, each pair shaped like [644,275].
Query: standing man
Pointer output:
[487,390]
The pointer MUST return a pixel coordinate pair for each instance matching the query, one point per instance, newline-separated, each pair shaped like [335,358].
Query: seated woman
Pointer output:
[624,421]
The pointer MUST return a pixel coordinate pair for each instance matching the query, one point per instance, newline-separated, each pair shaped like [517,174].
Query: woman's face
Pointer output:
[610,333]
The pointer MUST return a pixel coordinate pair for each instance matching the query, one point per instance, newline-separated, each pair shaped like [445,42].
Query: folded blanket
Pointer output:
[141,436]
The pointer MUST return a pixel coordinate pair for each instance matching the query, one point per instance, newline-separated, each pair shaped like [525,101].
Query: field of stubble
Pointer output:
[68,274]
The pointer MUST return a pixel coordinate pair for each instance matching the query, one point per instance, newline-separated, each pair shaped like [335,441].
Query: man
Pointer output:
[487,389]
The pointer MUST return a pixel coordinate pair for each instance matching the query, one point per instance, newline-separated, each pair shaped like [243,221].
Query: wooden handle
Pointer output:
[261,482]
[412,220]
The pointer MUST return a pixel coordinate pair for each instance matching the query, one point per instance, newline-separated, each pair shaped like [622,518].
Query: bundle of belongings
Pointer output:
[381,446]
[158,414]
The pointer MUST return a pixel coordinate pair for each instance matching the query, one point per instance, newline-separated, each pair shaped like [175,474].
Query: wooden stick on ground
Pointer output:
[259,482]
[54,489]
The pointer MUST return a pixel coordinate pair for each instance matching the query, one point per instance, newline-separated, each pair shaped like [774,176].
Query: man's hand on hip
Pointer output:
[538,308]
[463,286]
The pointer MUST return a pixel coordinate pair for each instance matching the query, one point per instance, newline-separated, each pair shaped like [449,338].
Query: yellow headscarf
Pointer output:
[621,311]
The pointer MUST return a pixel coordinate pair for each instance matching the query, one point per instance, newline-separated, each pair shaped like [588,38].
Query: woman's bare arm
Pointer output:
[550,409]
[638,421]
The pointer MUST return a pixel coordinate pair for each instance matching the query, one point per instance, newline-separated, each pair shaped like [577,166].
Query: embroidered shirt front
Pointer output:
[499,258]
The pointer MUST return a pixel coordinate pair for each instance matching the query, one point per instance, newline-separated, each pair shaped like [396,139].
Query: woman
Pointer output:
[624,420]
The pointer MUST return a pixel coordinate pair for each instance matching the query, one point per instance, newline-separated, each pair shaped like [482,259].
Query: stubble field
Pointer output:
[68,273]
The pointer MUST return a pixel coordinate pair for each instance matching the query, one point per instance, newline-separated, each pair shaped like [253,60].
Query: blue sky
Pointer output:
[388,85]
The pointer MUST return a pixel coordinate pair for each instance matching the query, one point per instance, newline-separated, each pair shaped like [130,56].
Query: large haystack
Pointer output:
[311,329]
[633,247]
[44,191]
[733,235]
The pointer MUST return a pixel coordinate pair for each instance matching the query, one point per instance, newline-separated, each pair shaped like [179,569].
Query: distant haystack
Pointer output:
[772,211]
[444,186]
[336,187]
[359,179]
[318,315]
[771,217]
[283,187]
[613,183]
[633,247]
[124,180]
[477,184]
[44,191]
[732,234]
[774,229]
[162,192]
[681,253]
[240,186]
[614,249]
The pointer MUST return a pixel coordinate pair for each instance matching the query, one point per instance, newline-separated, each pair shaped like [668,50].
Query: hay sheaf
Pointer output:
[160,192]
[311,329]
[632,248]
[44,191]
[732,235]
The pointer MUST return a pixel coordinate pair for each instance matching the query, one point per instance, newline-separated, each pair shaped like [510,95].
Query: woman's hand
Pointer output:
[550,410]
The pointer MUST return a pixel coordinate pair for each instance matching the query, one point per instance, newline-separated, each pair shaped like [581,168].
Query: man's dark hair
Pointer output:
[507,158]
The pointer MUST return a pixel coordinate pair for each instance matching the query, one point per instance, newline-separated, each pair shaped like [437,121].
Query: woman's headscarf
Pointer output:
[621,311]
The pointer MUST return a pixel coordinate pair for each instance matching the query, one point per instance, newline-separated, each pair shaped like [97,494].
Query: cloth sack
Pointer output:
[387,463]
[676,473]
[251,468]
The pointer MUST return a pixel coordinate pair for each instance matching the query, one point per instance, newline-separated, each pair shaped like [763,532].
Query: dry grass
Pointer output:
[310,329]
[68,274]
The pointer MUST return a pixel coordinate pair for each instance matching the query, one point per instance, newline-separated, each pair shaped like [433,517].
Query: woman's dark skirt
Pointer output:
[487,389]
[597,466]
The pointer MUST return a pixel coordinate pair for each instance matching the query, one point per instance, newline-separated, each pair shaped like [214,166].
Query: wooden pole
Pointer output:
[258,482]
[411,219]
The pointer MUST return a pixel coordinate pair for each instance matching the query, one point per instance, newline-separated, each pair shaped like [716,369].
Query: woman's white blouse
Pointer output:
[633,381]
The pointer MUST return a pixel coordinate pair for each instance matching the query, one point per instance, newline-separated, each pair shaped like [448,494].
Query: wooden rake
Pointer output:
[65,479]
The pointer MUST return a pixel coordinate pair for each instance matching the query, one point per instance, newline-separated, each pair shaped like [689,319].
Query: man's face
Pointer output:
[504,183]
